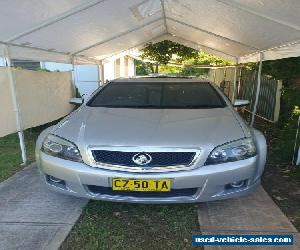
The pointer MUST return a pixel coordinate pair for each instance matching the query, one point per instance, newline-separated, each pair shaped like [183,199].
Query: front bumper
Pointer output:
[208,182]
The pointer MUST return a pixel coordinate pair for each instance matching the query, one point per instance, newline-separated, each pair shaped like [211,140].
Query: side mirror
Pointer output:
[240,103]
[76,101]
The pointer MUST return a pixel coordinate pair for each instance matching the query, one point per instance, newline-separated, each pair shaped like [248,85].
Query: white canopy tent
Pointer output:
[89,31]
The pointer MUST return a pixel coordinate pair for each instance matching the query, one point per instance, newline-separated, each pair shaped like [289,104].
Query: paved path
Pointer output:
[256,213]
[32,217]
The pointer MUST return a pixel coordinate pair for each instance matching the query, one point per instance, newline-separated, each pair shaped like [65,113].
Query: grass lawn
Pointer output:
[286,128]
[10,153]
[281,136]
[106,225]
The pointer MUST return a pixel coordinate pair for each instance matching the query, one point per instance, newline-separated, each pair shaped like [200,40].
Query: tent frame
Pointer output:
[270,54]
[258,54]
[234,84]
[67,55]
[257,89]
[12,83]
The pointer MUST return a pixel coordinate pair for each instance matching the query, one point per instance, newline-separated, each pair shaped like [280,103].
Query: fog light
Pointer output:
[56,181]
[236,184]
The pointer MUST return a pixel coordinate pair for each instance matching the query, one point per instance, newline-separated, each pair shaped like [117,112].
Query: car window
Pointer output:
[158,95]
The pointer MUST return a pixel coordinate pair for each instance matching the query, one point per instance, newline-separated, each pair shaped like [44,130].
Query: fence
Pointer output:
[268,106]
[42,97]
[269,98]
[224,78]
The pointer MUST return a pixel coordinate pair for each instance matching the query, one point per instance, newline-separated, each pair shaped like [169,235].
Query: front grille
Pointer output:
[159,159]
[99,190]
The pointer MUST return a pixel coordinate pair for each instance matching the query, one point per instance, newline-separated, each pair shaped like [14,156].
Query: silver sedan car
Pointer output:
[153,140]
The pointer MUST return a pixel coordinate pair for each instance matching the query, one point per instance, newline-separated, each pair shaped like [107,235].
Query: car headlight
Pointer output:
[232,151]
[61,148]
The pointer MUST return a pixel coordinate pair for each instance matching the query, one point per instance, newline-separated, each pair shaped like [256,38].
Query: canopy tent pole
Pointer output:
[234,84]
[224,80]
[295,155]
[257,89]
[72,59]
[215,74]
[101,73]
[239,81]
[12,82]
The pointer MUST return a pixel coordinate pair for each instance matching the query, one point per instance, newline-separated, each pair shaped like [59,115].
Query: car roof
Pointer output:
[160,79]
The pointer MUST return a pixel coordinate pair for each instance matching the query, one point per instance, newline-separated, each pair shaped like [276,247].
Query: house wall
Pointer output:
[86,77]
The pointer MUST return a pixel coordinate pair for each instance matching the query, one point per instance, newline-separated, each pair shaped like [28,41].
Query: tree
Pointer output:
[203,58]
[283,69]
[142,68]
[162,53]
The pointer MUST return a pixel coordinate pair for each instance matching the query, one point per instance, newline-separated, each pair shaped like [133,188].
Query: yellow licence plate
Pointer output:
[146,185]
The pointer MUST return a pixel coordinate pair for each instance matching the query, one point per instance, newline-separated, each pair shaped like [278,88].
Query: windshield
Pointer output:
[171,95]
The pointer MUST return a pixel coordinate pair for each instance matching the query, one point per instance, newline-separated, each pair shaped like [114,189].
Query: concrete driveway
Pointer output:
[32,217]
[252,214]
